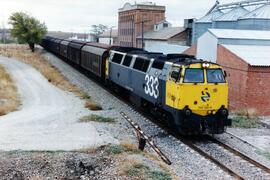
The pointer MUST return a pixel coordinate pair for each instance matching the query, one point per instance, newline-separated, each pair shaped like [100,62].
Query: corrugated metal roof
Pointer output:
[262,12]
[210,17]
[163,34]
[253,55]
[233,14]
[240,34]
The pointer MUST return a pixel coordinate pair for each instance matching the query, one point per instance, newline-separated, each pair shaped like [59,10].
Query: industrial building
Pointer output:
[247,15]
[137,18]
[109,37]
[164,38]
[245,55]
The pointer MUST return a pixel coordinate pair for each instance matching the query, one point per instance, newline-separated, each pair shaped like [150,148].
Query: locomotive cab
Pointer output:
[198,92]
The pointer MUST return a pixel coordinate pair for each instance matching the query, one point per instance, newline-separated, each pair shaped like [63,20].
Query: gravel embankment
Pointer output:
[55,165]
[187,164]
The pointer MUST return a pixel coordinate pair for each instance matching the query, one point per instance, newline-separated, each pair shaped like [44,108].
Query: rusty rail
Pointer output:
[144,138]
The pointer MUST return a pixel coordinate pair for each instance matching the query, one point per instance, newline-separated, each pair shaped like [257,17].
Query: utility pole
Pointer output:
[142,22]
[111,34]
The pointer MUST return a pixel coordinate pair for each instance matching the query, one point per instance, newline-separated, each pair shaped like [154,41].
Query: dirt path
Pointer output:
[48,117]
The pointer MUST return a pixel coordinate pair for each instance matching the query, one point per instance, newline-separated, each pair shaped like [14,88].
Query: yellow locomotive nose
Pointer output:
[202,89]
[203,99]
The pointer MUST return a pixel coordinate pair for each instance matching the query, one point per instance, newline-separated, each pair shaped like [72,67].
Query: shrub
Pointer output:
[97,118]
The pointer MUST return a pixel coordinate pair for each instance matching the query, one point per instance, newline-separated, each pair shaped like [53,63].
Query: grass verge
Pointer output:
[97,118]
[263,153]
[138,170]
[239,121]
[51,73]
[9,100]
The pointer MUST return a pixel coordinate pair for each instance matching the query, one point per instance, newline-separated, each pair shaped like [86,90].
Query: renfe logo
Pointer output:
[205,96]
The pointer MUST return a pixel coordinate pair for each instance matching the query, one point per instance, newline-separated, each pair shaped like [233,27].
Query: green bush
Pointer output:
[97,118]
[244,122]
[114,149]
[159,175]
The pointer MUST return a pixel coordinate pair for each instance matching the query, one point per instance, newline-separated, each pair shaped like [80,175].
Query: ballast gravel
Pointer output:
[186,164]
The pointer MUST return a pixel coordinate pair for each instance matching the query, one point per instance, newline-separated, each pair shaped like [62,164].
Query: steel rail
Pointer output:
[241,155]
[211,158]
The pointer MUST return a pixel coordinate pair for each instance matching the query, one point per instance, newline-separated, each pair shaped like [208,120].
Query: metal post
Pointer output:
[111,36]
[132,33]
[142,34]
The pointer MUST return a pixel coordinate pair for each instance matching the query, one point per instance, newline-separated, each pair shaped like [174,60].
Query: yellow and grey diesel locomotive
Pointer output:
[190,95]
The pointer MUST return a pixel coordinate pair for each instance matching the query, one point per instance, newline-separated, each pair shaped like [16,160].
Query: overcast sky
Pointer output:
[79,15]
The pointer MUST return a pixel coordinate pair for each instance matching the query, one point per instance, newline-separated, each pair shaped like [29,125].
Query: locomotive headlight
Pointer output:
[205,65]
[224,112]
[187,112]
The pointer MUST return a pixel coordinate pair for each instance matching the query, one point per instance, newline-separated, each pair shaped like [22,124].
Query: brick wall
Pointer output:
[237,77]
[258,90]
[192,50]
[129,26]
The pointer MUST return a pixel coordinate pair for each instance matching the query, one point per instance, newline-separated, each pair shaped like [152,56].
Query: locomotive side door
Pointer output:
[173,87]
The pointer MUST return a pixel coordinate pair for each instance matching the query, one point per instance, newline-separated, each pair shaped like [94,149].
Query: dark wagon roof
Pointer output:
[65,42]
[77,44]
[96,48]
[57,40]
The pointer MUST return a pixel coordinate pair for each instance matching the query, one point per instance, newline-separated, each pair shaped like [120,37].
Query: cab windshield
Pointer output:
[215,76]
[194,76]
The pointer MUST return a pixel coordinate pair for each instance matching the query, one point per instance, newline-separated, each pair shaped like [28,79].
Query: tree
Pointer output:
[27,29]
[99,29]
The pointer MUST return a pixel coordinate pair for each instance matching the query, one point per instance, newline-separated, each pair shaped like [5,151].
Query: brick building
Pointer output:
[131,18]
[245,57]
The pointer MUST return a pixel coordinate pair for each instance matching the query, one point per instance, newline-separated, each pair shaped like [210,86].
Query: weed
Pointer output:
[86,96]
[130,147]
[97,118]
[144,172]
[9,100]
[244,122]
[137,170]
[264,153]
[114,149]
[159,175]
[92,106]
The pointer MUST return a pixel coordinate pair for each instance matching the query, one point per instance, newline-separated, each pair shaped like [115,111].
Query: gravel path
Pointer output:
[47,119]
[187,164]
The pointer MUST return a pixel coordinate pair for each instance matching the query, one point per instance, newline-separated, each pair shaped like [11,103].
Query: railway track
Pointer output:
[189,143]
[238,153]
[238,164]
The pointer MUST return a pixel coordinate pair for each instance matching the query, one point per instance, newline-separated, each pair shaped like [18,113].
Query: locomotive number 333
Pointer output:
[151,86]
